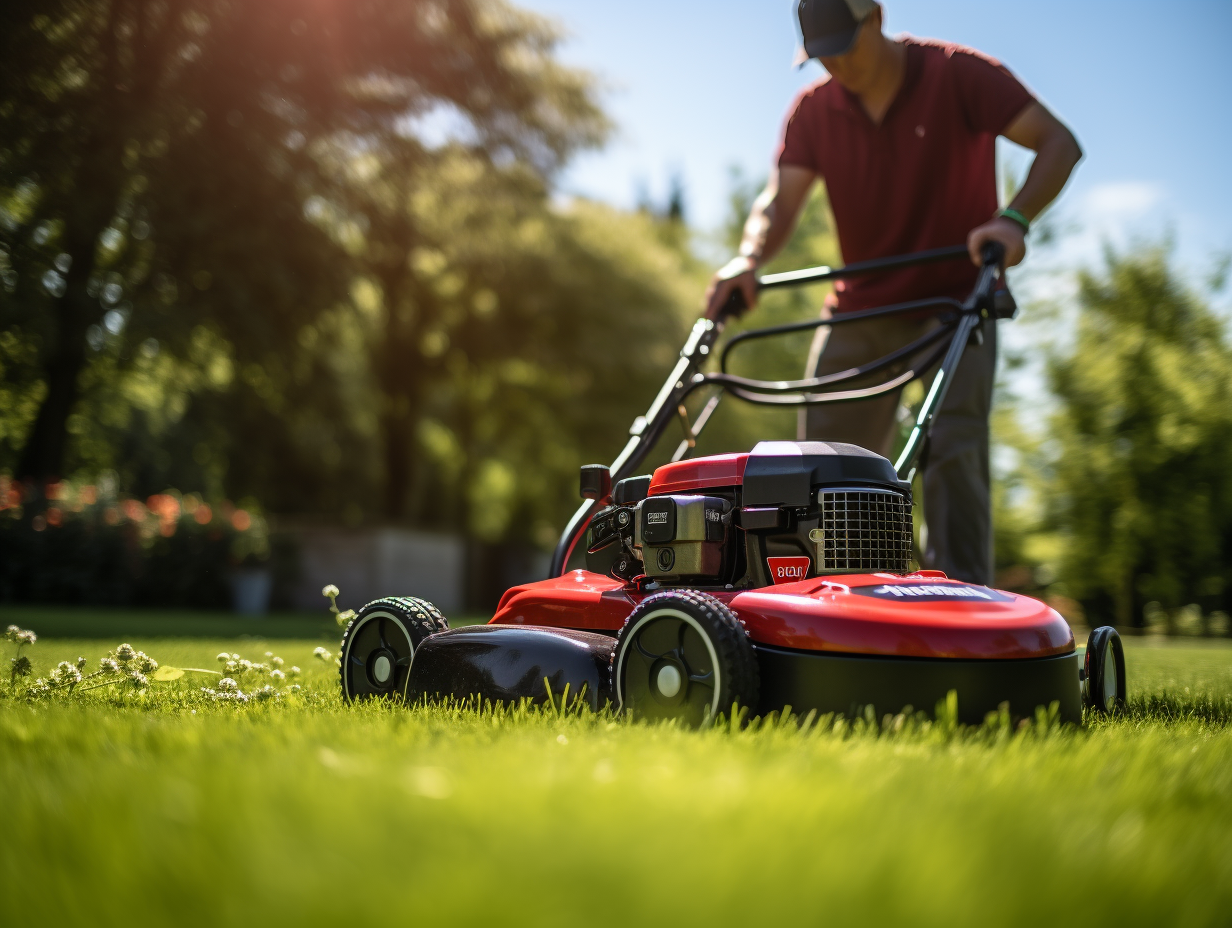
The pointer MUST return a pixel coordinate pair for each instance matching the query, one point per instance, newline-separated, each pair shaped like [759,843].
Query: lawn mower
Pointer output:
[781,577]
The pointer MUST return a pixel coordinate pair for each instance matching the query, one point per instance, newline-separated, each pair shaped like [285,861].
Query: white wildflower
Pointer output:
[223,657]
[321,654]
[139,680]
[294,687]
[277,661]
[330,591]
[10,633]
[294,671]
[227,685]
[125,653]
[265,692]
[26,637]
[277,675]
[231,667]
[108,665]
[65,674]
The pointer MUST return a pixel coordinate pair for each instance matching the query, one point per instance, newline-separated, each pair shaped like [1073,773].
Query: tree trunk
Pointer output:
[91,196]
[42,458]
[396,434]
[401,379]
[99,182]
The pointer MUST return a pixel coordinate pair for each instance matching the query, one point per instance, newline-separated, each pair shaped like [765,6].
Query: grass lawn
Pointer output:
[163,808]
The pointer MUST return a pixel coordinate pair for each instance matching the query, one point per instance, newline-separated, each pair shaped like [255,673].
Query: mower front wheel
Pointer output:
[683,655]
[380,642]
[1103,685]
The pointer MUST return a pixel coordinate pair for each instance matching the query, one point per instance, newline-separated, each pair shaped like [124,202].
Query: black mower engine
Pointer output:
[798,510]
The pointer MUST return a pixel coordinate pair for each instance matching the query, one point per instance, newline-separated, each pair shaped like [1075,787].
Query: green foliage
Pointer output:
[1140,448]
[176,299]
[511,339]
[529,815]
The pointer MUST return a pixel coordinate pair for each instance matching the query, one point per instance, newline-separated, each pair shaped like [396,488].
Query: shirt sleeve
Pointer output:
[799,144]
[990,95]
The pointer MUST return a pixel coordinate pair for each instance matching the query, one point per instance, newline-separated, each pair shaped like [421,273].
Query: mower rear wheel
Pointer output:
[380,642]
[1103,686]
[683,655]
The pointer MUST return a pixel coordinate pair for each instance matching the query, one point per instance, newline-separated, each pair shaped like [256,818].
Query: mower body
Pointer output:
[779,577]
[809,545]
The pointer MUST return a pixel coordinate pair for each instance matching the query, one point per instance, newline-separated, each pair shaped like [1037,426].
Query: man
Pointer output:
[903,133]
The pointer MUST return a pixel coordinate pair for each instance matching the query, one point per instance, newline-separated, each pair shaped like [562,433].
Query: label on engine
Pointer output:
[788,569]
[933,592]
[656,518]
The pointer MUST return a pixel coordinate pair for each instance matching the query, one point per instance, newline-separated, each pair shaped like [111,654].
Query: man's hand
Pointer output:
[738,273]
[1010,234]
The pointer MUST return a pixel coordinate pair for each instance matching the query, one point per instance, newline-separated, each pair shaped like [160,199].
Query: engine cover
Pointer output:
[785,511]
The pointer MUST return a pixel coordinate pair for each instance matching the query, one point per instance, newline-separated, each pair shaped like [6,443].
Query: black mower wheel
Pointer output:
[683,655]
[1103,687]
[380,641]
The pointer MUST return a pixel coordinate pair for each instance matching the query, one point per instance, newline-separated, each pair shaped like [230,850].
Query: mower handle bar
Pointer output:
[736,305]
[960,322]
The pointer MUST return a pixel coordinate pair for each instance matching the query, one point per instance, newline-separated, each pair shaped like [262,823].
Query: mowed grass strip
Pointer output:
[164,809]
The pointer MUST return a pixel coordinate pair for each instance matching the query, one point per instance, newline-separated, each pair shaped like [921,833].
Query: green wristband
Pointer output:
[1014,216]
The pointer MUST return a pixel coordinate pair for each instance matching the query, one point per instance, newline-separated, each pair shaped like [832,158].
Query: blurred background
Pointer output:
[308,291]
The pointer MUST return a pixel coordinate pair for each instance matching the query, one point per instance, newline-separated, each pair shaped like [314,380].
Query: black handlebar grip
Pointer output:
[734,306]
[992,253]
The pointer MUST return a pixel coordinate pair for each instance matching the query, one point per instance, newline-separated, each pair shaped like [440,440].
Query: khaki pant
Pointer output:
[957,496]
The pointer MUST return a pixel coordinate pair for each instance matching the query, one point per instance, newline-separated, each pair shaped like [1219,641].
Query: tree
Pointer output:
[509,337]
[1140,448]
[157,155]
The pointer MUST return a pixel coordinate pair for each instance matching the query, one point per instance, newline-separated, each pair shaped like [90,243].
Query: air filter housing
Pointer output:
[841,506]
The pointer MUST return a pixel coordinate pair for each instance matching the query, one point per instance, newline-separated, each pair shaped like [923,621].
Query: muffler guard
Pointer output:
[508,663]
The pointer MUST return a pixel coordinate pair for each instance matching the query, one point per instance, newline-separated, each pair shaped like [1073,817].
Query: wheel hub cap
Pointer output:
[668,680]
[382,667]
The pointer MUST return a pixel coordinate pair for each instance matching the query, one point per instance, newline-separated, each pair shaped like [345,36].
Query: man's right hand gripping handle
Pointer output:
[732,290]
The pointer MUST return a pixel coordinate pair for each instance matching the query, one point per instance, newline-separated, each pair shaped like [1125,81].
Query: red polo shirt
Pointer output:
[924,178]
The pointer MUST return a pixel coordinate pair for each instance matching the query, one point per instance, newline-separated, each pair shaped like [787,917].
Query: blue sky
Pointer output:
[698,87]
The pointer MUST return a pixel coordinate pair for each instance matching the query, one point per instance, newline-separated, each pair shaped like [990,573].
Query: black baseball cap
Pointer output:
[828,27]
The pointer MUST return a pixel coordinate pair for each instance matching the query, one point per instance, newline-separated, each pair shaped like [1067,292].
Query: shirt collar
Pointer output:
[844,100]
